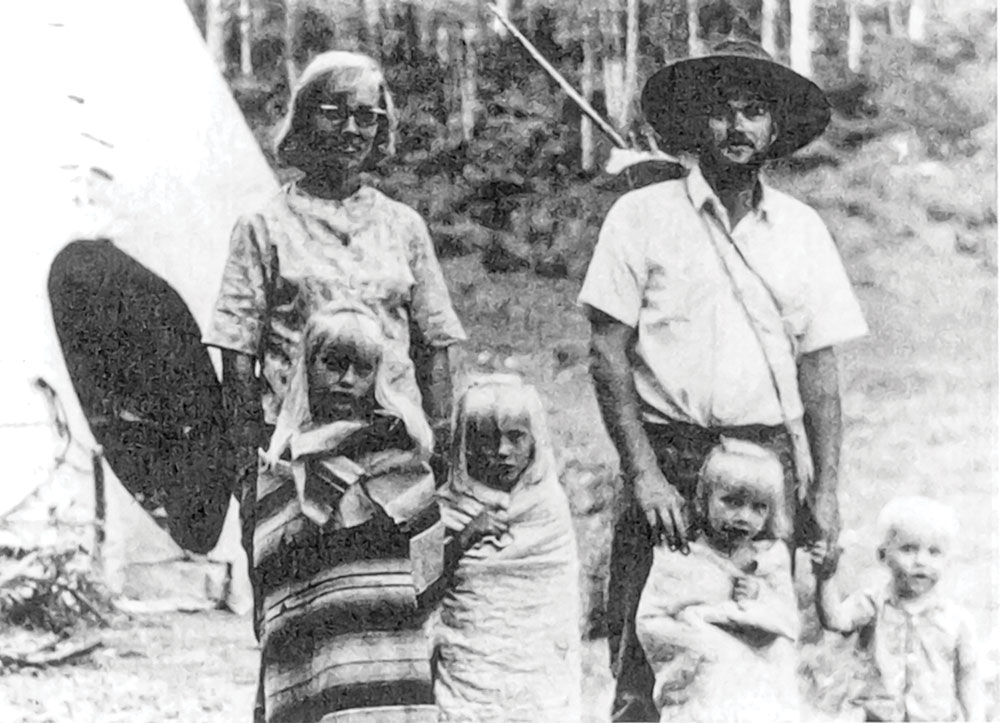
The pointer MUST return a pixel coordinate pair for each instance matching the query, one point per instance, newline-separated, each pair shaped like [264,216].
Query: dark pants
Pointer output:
[681,450]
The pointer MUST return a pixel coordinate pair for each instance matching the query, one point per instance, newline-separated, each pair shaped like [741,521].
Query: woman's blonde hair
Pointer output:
[738,463]
[346,67]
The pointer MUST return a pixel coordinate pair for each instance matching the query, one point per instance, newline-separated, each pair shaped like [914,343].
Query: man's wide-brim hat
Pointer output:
[677,99]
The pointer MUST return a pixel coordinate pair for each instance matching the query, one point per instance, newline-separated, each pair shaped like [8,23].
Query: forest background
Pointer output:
[508,176]
[507,173]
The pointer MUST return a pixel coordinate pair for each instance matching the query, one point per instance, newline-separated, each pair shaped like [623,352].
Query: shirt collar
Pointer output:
[930,603]
[701,193]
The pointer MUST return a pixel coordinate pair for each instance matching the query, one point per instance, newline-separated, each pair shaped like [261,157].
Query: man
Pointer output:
[715,303]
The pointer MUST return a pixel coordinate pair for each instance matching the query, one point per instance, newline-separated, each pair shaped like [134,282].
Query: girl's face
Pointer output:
[344,120]
[737,513]
[342,378]
[499,450]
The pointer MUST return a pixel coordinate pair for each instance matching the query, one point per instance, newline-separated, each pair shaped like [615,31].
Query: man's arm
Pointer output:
[619,405]
[820,389]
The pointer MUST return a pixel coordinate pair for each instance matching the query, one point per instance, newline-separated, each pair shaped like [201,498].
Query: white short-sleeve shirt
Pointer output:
[698,359]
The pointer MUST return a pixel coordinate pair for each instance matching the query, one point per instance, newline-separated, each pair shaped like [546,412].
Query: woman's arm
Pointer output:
[241,404]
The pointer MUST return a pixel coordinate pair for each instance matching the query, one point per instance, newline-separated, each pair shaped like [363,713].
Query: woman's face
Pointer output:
[499,450]
[344,121]
[341,378]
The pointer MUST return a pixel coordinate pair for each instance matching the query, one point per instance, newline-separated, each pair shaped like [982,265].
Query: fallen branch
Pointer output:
[44,657]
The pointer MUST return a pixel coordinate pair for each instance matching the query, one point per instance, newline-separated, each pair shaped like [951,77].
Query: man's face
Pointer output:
[740,129]
[916,560]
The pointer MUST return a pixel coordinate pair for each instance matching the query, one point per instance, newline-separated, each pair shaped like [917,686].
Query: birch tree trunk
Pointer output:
[293,10]
[800,43]
[469,81]
[769,10]
[916,25]
[855,36]
[587,87]
[631,60]
[613,67]
[246,39]
[897,27]
[215,32]
[371,21]
[694,37]
[503,7]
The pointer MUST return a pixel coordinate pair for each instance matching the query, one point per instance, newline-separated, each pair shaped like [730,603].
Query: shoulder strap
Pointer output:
[796,428]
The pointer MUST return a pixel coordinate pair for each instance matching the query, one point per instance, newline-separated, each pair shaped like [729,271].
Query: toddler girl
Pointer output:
[719,625]
[507,647]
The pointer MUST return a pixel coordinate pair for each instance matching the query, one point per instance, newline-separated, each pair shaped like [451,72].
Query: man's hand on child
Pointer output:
[745,588]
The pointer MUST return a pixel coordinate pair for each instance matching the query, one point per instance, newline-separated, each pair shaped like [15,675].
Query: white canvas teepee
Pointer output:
[126,89]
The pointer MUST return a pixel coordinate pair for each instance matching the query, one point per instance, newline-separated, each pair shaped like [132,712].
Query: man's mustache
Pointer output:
[738,139]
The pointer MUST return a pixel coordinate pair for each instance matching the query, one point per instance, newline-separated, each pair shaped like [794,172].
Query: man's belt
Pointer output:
[710,435]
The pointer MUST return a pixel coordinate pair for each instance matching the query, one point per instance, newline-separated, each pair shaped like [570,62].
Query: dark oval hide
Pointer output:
[146,385]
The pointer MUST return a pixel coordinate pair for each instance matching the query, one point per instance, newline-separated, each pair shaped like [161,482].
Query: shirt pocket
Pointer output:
[677,293]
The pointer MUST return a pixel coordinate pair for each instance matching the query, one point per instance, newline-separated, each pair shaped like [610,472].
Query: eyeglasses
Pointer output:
[364,115]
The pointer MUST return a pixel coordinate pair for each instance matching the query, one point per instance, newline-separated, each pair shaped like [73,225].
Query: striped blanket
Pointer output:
[342,639]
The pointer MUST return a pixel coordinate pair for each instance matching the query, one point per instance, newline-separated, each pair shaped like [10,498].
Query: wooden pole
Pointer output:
[568,89]
[100,504]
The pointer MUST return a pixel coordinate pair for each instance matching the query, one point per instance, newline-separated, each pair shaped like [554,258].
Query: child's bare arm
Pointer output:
[967,677]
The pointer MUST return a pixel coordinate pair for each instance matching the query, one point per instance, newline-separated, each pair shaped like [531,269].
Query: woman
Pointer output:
[329,238]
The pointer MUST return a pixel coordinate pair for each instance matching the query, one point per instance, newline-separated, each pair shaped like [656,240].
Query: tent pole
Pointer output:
[100,509]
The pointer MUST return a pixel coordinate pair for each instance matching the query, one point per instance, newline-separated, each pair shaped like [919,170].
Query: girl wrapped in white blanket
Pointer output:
[719,625]
[507,647]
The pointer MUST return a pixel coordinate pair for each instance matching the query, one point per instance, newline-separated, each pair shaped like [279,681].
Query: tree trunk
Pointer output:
[371,22]
[246,39]
[855,36]
[694,38]
[897,25]
[469,82]
[587,86]
[916,26]
[503,7]
[800,44]
[615,94]
[215,31]
[293,10]
[631,60]
[769,13]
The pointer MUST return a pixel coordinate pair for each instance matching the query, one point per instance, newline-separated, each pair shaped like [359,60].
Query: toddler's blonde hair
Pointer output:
[916,513]
[738,463]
